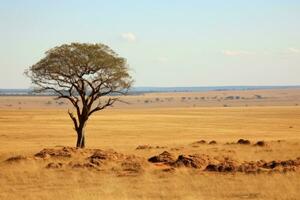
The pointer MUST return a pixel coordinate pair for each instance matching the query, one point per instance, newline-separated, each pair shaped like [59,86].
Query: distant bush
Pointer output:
[258,96]
[229,98]
[60,103]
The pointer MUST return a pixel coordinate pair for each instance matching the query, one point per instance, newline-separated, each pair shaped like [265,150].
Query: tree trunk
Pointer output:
[80,138]
[80,129]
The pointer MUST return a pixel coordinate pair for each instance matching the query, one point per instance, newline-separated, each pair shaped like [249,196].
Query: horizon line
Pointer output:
[211,86]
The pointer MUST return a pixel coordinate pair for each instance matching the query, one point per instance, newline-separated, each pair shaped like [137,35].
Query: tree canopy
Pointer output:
[82,73]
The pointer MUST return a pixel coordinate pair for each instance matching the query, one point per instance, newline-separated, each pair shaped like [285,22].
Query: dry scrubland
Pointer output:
[245,98]
[126,173]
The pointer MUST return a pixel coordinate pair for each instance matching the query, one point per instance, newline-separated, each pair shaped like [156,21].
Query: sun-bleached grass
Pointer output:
[28,131]
[82,184]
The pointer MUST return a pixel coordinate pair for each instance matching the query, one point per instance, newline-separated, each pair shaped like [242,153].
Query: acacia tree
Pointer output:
[91,76]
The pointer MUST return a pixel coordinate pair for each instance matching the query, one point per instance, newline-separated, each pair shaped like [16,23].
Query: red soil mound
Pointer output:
[191,161]
[225,164]
[164,157]
[56,152]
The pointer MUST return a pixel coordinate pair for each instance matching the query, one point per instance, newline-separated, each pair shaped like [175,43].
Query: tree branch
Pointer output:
[73,119]
[110,102]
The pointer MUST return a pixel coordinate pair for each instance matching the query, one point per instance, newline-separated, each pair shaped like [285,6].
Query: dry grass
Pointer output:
[83,184]
[27,131]
[235,98]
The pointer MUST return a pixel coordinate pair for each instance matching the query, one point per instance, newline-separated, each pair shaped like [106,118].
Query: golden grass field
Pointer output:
[27,130]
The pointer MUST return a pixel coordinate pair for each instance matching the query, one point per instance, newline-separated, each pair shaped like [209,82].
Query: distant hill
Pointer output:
[141,90]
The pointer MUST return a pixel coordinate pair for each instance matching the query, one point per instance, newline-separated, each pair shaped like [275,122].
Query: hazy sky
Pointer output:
[166,42]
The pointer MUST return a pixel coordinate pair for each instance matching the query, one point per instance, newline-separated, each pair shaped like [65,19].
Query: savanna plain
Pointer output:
[209,145]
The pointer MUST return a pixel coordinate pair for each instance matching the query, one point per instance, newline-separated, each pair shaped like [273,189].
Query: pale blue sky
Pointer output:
[166,42]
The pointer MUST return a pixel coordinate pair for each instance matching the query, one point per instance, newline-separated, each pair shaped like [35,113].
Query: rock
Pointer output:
[285,164]
[212,142]
[242,141]
[260,143]
[271,165]
[223,167]
[191,161]
[140,147]
[212,168]
[254,167]
[223,164]
[164,157]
